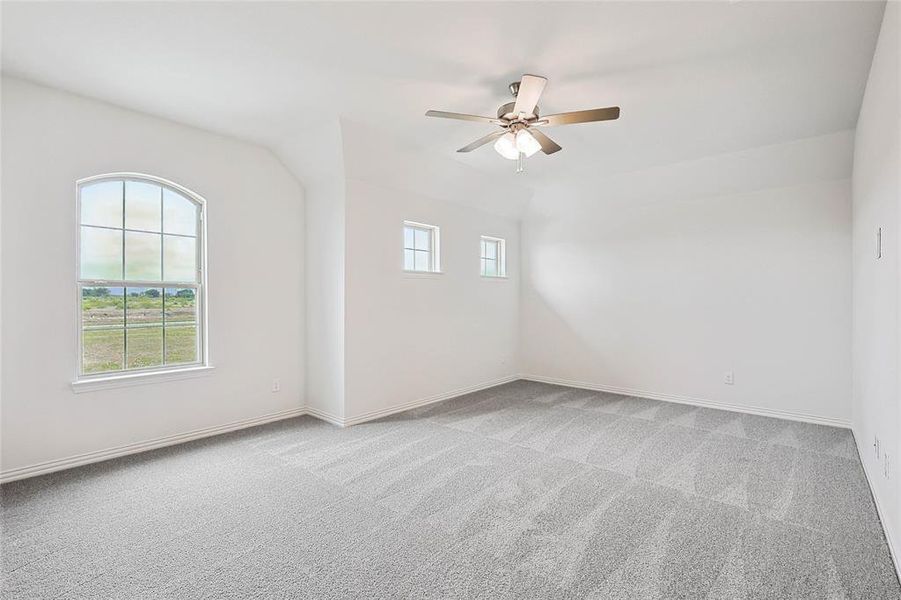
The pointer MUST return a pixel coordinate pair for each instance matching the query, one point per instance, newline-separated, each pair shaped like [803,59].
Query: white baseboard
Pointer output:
[384,412]
[325,416]
[879,511]
[170,440]
[766,412]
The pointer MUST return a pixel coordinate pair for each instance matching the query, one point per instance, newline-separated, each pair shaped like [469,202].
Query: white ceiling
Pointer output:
[693,79]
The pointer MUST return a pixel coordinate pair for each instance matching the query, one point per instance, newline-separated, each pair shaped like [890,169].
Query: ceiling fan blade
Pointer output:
[482,141]
[460,116]
[548,146]
[530,88]
[582,116]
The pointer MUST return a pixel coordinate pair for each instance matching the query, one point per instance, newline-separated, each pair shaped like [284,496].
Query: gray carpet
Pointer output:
[522,491]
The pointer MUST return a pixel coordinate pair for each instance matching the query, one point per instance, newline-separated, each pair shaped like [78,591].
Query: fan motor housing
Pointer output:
[506,113]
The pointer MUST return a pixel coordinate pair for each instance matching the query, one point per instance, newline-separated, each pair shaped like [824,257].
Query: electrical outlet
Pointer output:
[887,466]
[876,446]
[276,385]
[729,378]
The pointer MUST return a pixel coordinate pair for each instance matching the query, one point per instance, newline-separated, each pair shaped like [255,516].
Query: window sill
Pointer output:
[127,380]
[499,277]
[418,274]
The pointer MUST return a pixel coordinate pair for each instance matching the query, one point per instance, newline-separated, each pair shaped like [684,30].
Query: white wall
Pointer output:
[316,157]
[876,338]
[379,340]
[50,139]
[660,281]
[325,294]
[410,337]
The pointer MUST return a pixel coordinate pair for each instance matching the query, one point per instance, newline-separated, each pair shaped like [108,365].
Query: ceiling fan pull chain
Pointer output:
[519,167]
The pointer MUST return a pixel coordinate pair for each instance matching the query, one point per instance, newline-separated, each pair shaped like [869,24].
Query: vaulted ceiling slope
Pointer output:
[693,79]
[335,151]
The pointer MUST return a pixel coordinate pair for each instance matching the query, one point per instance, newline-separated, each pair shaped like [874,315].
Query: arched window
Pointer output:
[141,276]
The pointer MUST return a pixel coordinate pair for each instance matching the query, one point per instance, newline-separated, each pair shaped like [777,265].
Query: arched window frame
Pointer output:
[126,375]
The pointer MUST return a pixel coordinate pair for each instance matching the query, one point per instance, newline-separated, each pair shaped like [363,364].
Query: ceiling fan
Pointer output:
[519,136]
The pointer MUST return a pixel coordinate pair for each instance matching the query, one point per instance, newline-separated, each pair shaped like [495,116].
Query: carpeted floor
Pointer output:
[522,491]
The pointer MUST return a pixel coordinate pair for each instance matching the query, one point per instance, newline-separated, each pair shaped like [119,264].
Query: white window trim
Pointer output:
[131,378]
[434,254]
[501,258]
[82,382]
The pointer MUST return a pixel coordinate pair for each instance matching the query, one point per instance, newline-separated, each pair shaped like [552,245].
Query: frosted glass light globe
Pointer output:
[506,146]
[526,143]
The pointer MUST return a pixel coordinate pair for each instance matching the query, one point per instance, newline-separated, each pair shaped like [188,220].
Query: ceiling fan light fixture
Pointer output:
[518,137]
[506,146]
[526,143]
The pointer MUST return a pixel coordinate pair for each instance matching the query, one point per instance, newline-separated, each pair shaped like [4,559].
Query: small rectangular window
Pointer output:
[493,257]
[421,248]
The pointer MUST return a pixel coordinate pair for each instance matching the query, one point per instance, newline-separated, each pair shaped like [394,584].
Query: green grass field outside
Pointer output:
[130,331]
[105,349]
